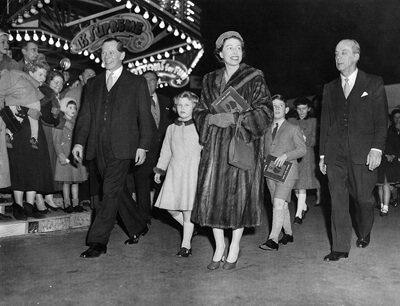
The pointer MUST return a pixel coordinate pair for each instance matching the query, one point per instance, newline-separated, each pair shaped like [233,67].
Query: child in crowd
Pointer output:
[284,141]
[67,171]
[18,88]
[307,165]
[179,159]
[389,169]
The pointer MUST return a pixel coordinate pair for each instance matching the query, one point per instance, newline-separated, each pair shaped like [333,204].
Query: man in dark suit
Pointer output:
[163,115]
[353,134]
[115,120]
[30,52]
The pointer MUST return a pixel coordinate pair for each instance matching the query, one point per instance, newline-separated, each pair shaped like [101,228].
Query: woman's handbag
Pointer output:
[240,154]
[9,119]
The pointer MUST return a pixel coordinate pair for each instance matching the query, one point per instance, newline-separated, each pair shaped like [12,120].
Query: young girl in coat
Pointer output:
[179,159]
[67,171]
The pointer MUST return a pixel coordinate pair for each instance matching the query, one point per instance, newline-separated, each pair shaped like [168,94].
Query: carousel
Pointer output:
[158,35]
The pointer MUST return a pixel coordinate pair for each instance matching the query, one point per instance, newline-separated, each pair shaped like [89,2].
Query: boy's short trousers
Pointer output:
[280,190]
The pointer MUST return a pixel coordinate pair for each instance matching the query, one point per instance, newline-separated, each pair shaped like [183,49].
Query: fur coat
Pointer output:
[228,197]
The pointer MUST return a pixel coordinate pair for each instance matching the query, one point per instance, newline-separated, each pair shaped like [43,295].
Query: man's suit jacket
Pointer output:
[130,127]
[167,116]
[289,140]
[367,120]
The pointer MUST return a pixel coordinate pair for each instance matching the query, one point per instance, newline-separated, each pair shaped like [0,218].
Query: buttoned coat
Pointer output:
[130,127]
[289,140]
[367,118]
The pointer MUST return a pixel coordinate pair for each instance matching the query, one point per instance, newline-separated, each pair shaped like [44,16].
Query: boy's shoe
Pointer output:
[34,143]
[384,211]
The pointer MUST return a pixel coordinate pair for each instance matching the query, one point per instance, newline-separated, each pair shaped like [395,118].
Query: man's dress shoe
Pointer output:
[335,256]
[95,250]
[363,242]
[135,238]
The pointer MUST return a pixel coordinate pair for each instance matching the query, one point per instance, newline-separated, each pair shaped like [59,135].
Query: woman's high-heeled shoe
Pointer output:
[303,213]
[231,265]
[52,207]
[213,265]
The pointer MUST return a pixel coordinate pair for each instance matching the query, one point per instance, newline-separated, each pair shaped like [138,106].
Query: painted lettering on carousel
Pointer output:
[169,71]
[132,29]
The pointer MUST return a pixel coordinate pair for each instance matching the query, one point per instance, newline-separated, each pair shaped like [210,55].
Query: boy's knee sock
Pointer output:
[277,223]
[75,202]
[287,225]
[301,204]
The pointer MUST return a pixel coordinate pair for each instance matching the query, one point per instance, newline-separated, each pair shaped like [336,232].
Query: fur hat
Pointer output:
[226,35]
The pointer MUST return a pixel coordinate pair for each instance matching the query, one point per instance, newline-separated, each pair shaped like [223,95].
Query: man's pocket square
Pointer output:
[364,94]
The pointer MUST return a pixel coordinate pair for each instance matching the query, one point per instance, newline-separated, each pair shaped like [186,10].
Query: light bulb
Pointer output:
[35,36]
[27,37]
[86,53]
[162,24]
[154,19]
[26,14]
[51,40]
[188,40]
[166,54]
[152,59]
[128,4]
[159,56]
[20,19]
[13,23]
[39,4]
[18,38]
[188,47]
[137,63]
[58,44]
[10,38]
[176,32]
[33,10]
[137,9]
[183,36]
[117,0]
[144,61]
[146,15]
[97,60]
[181,50]
[43,37]
[65,47]
[47,1]
[169,28]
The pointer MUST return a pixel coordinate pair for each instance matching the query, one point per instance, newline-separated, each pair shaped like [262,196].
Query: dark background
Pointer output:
[293,41]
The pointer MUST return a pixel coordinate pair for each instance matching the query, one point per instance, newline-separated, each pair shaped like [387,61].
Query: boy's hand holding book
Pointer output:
[279,161]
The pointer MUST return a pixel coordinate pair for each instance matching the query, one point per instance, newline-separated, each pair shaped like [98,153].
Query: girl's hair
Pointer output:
[52,74]
[302,101]
[187,94]
[218,50]
[35,65]
[279,97]
[71,102]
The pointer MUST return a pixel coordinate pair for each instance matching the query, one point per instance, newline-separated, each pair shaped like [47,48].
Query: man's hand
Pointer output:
[374,159]
[63,159]
[322,166]
[280,160]
[77,152]
[140,157]
[157,178]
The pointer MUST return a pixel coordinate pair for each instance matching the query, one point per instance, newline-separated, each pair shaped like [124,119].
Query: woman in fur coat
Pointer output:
[228,197]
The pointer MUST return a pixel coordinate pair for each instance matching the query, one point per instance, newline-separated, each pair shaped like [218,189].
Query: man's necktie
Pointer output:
[110,81]
[346,88]
[274,131]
